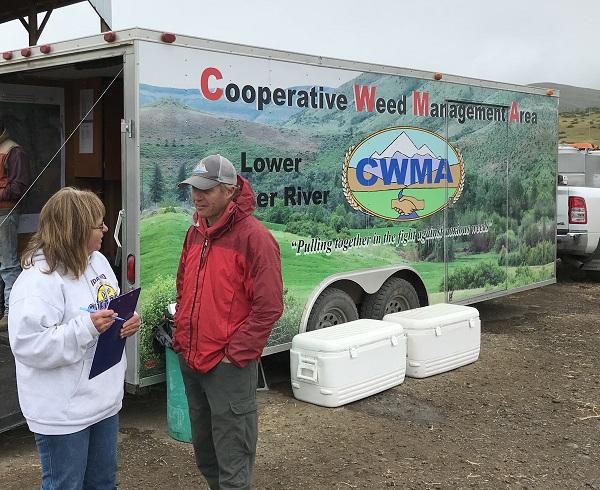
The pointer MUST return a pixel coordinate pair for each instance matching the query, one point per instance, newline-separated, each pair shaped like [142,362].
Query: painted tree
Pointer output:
[157,186]
[182,193]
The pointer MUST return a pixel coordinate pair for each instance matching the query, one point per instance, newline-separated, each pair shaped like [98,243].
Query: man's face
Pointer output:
[211,203]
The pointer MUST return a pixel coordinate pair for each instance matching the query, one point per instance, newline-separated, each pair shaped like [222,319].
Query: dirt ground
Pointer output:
[526,415]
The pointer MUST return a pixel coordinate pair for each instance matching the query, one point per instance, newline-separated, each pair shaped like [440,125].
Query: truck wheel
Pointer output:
[332,307]
[395,295]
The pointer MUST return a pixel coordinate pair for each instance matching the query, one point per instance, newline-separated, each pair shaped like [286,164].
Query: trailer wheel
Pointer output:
[332,307]
[395,295]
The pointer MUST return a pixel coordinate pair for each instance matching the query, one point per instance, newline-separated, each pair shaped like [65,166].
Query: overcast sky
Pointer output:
[516,41]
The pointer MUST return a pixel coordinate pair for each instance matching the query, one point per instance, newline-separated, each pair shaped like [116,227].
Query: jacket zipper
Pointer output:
[204,252]
[201,265]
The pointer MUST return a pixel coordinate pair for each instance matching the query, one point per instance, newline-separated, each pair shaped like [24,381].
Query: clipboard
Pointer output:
[109,348]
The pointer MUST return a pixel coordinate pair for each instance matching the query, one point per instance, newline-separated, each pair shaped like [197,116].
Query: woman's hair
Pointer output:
[66,222]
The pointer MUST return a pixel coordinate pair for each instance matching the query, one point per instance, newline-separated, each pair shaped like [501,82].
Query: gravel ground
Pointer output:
[525,415]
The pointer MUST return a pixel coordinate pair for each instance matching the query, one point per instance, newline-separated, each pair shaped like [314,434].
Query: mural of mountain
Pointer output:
[176,133]
[171,134]
[191,98]
[163,121]
[361,124]
[403,147]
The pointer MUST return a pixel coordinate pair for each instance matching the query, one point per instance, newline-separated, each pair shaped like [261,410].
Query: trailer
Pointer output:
[386,188]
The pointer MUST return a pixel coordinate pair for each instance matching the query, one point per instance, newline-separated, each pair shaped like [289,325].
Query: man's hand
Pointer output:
[131,326]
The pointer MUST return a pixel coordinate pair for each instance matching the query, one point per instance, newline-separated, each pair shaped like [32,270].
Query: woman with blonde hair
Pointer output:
[74,418]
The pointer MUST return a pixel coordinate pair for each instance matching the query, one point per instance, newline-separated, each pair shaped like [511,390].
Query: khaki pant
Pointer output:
[224,422]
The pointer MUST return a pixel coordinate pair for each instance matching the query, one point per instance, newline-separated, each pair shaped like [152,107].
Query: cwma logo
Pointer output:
[402,173]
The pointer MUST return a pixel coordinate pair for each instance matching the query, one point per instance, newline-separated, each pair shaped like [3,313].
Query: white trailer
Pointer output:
[386,188]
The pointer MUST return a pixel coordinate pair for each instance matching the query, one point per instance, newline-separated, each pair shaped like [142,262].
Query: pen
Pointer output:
[89,310]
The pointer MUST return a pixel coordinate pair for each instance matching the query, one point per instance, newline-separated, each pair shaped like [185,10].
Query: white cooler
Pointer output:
[343,363]
[439,337]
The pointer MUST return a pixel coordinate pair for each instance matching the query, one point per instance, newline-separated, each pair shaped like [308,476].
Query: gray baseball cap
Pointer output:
[210,171]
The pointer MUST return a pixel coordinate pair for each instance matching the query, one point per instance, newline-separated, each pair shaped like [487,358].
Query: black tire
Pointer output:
[332,307]
[395,295]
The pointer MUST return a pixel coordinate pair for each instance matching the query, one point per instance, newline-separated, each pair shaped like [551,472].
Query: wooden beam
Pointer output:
[43,24]
[27,13]
[33,28]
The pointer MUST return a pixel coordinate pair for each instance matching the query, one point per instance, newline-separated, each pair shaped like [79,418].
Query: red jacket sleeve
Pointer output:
[266,293]
[18,175]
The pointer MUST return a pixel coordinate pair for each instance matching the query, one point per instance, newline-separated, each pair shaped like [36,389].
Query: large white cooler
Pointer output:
[343,363]
[439,337]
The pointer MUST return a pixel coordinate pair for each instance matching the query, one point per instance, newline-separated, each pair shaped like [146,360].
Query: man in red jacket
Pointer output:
[14,179]
[229,295]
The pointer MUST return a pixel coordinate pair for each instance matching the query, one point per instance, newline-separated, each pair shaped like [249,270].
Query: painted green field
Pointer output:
[302,273]
[162,237]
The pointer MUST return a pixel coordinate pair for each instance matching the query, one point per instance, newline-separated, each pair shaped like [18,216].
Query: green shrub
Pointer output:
[540,254]
[530,275]
[288,324]
[304,226]
[477,276]
[156,299]
[501,241]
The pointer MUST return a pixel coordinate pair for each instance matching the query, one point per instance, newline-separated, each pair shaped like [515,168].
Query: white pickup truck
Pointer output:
[578,208]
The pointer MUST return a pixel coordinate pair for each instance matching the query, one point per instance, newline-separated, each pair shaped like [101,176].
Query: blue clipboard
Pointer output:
[109,349]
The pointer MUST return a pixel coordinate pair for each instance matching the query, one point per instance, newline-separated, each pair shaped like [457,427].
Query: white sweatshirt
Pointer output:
[53,342]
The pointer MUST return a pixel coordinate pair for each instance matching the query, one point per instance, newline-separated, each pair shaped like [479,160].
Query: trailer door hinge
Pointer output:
[127,126]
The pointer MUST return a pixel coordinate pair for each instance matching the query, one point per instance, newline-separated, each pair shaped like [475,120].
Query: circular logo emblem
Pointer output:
[105,293]
[402,173]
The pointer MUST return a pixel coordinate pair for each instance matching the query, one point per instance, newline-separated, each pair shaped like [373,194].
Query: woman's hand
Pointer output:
[102,319]
[131,326]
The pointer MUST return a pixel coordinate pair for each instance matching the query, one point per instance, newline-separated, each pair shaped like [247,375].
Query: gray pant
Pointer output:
[9,260]
[224,423]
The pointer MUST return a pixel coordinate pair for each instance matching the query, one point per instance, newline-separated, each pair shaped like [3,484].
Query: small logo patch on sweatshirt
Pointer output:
[104,292]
